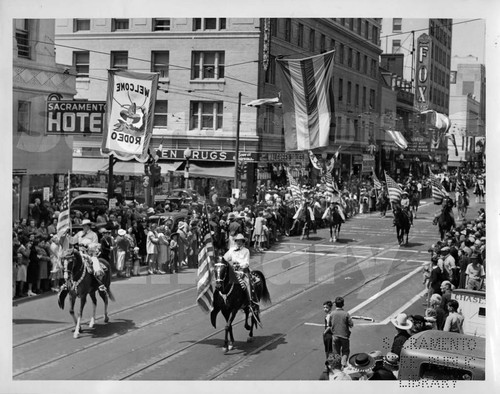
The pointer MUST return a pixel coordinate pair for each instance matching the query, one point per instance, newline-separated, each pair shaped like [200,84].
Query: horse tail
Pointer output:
[265,297]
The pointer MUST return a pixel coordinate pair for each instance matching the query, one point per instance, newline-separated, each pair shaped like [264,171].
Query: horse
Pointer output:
[403,225]
[80,283]
[414,202]
[445,220]
[230,297]
[462,204]
[334,220]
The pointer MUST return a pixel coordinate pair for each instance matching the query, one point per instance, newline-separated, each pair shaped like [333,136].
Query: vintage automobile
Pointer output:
[175,217]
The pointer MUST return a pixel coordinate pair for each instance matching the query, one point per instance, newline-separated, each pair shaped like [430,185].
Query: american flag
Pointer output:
[297,193]
[438,190]
[308,101]
[376,182]
[205,266]
[393,189]
[64,220]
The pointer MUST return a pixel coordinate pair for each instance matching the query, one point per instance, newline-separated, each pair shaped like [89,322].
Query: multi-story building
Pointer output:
[40,160]
[420,51]
[467,111]
[204,63]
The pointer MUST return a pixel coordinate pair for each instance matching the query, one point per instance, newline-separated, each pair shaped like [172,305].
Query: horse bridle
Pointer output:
[68,274]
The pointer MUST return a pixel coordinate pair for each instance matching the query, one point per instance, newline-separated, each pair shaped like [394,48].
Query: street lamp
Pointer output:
[187,156]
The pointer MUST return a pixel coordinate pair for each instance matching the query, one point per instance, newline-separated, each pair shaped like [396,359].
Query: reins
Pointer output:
[77,283]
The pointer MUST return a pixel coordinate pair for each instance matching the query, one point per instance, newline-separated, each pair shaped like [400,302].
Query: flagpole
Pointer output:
[237,150]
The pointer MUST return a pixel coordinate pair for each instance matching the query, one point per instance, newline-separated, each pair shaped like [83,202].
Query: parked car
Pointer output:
[77,191]
[88,202]
[161,219]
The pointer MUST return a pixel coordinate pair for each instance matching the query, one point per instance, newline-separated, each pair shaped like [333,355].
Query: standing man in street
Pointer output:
[341,329]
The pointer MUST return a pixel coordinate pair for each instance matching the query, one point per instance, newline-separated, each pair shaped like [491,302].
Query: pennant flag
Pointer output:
[205,266]
[451,136]
[264,101]
[393,189]
[64,219]
[376,182]
[398,138]
[130,109]
[438,190]
[297,193]
[331,163]
[314,161]
[308,102]
[330,184]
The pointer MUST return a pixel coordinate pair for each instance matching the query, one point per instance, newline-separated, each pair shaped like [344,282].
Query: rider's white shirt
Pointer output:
[88,237]
[240,256]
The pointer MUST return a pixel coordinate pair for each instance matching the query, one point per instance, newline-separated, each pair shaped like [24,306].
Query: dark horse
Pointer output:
[334,220]
[403,224]
[414,201]
[230,297]
[445,220]
[80,282]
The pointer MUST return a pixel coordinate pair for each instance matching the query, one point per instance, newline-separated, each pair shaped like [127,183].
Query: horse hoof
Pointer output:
[230,347]
[106,319]
[224,349]
[331,239]
[75,335]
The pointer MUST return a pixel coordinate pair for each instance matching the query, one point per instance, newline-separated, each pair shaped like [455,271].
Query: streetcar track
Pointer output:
[276,304]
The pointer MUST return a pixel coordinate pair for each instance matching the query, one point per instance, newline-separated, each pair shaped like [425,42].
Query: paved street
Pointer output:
[157,332]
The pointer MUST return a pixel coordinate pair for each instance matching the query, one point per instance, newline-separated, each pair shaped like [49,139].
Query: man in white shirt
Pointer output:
[239,257]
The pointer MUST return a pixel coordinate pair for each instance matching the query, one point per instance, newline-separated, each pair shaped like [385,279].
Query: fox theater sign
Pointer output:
[423,74]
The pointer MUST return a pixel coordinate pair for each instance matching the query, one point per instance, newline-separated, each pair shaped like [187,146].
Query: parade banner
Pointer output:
[308,102]
[129,114]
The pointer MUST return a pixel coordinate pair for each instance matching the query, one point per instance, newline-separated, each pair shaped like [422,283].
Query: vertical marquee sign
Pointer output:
[423,74]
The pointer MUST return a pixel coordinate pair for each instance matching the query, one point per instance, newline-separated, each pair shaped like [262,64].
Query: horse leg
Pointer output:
[83,300]
[104,297]
[230,329]
[332,229]
[94,309]
[72,307]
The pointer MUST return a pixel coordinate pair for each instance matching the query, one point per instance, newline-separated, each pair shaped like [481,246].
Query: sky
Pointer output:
[469,38]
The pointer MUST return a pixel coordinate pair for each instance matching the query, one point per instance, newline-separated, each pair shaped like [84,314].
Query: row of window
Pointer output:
[23,38]
[441,77]
[361,95]
[204,65]
[353,129]
[158,24]
[441,56]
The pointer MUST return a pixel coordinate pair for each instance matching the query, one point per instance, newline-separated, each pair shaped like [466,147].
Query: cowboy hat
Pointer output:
[401,321]
[86,222]
[240,237]
[362,361]
[122,232]
[104,230]
[231,215]
[150,210]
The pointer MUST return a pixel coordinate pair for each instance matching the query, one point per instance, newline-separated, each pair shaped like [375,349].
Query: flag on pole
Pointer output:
[297,193]
[64,219]
[393,189]
[438,190]
[205,266]
[376,182]
[314,160]
[308,102]
[331,164]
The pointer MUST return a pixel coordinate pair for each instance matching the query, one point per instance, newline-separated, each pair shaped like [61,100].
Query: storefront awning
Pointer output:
[166,167]
[90,166]
[205,170]
[398,138]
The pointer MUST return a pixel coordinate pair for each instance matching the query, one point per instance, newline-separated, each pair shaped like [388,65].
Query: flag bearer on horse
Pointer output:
[239,257]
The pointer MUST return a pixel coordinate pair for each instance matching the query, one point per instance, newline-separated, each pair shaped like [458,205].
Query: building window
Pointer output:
[341,89]
[119,60]
[396,24]
[206,115]
[356,130]
[349,90]
[322,43]
[81,25]
[119,24]
[372,99]
[271,70]
[300,35]
[81,61]
[207,65]
[363,99]
[356,95]
[341,54]
[359,25]
[269,120]
[367,29]
[375,35]
[332,44]
[161,115]
[161,24]
[396,46]
[209,23]
[358,61]
[23,38]
[312,40]
[365,65]
[159,63]
[274,27]
[23,116]
[338,127]
[349,57]
[374,68]
[288,29]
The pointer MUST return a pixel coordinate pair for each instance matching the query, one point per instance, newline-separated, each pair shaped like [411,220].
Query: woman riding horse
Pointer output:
[230,297]
[80,281]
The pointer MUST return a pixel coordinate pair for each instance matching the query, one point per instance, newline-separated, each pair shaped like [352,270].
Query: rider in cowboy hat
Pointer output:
[239,257]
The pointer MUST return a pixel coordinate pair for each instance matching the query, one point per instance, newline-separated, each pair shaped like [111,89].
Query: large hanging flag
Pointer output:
[205,266]
[129,114]
[398,139]
[438,191]
[297,193]
[308,102]
[393,189]
[64,219]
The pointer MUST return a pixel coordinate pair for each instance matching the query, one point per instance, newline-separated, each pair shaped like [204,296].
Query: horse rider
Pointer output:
[88,238]
[239,257]
[405,206]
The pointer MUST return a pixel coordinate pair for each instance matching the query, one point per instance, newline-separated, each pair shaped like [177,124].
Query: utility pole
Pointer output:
[237,152]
